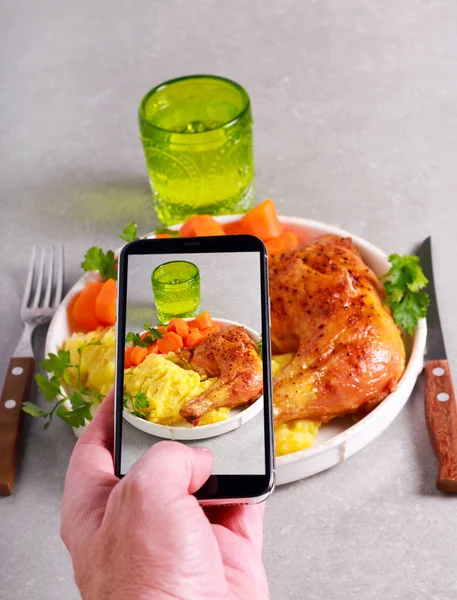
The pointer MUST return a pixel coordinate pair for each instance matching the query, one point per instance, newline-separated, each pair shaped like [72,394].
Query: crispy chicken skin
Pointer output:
[231,356]
[327,308]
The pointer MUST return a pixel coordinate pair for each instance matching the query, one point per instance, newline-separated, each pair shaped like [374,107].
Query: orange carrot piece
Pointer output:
[234,228]
[127,354]
[275,245]
[162,328]
[105,304]
[83,314]
[170,342]
[153,348]
[210,330]
[291,239]
[204,320]
[262,221]
[179,326]
[138,355]
[162,235]
[201,225]
[193,339]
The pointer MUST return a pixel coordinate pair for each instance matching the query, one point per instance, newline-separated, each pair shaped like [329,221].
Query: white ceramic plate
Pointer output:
[237,416]
[339,439]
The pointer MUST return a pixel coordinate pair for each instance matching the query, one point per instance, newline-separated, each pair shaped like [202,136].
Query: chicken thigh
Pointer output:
[327,308]
[232,357]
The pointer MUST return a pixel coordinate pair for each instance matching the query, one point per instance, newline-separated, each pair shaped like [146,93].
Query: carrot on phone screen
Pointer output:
[262,221]
[162,235]
[105,303]
[153,348]
[127,355]
[179,326]
[170,342]
[138,355]
[83,314]
[193,339]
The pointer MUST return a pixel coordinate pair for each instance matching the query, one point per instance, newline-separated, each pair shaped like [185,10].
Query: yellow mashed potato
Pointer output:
[293,435]
[168,386]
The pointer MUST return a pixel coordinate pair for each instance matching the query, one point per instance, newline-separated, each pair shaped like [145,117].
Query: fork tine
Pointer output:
[39,284]
[59,275]
[47,297]
[28,285]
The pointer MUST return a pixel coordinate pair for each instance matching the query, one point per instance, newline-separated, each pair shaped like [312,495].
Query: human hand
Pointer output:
[146,536]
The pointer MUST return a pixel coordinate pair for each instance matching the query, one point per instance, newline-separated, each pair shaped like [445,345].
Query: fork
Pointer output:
[42,296]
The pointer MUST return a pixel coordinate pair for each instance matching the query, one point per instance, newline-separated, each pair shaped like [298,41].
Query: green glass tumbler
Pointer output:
[176,287]
[197,139]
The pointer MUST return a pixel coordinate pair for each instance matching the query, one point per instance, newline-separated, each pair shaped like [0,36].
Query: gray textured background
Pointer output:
[355,107]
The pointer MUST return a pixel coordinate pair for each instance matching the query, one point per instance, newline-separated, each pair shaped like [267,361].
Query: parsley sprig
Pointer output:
[152,334]
[171,232]
[136,404]
[403,284]
[80,397]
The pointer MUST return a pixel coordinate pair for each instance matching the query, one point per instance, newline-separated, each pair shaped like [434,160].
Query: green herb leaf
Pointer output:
[77,416]
[402,284]
[140,401]
[103,262]
[34,410]
[260,346]
[49,388]
[171,232]
[56,363]
[130,232]
[133,338]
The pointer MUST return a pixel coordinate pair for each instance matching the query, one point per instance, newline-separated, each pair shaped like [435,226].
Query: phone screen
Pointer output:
[192,329]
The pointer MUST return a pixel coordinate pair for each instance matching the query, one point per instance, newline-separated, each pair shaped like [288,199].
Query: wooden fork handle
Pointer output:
[441,415]
[15,390]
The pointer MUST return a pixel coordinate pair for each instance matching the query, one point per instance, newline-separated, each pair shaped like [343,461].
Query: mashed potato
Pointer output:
[167,387]
[293,435]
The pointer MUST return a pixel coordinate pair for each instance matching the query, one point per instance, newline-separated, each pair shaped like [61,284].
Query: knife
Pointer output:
[440,403]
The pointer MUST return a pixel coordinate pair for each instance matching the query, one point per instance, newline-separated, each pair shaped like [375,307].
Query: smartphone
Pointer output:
[193,359]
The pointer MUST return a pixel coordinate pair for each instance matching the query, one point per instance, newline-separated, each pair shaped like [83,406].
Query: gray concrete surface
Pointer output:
[355,124]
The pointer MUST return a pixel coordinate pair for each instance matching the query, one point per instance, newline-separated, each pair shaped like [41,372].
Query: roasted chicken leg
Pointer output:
[327,308]
[232,357]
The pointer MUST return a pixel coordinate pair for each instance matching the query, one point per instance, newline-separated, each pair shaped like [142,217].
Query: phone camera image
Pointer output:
[193,358]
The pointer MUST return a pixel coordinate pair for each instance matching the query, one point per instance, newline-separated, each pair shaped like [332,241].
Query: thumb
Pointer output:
[171,469]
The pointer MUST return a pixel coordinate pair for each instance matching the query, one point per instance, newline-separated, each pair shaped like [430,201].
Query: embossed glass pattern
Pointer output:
[197,138]
[176,287]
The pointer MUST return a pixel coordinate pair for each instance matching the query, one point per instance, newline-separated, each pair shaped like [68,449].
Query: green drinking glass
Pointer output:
[176,287]
[197,138]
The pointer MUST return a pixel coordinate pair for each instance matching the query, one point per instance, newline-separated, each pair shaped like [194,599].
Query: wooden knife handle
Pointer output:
[441,415]
[15,390]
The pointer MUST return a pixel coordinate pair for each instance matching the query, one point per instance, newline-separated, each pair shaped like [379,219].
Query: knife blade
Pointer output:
[440,403]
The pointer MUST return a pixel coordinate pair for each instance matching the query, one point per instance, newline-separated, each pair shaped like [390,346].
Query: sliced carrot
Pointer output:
[276,245]
[201,225]
[127,354]
[193,339]
[281,243]
[153,348]
[170,342]
[179,326]
[262,221]
[192,324]
[210,330]
[162,235]
[234,228]
[204,320]
[291,239]
[162,328]
[105,304]
[83,314]
[138,355]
